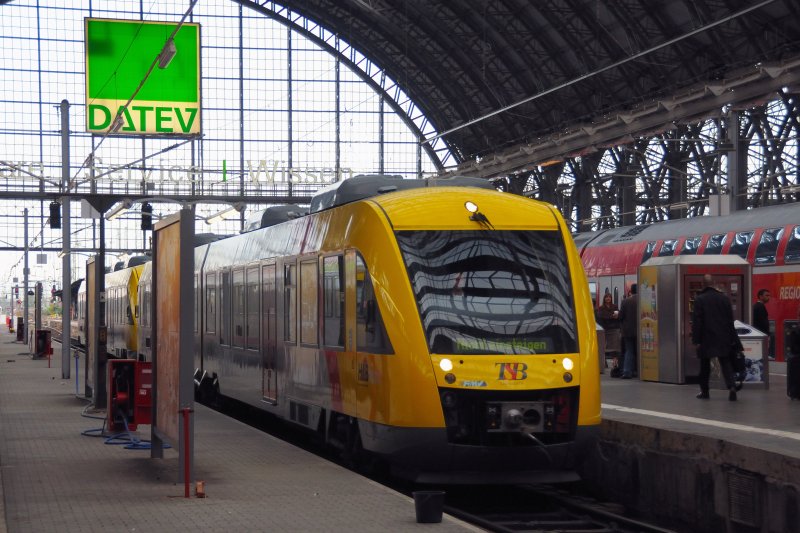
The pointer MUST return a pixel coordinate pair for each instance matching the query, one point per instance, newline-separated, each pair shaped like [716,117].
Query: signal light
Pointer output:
[147,217]
[55,215]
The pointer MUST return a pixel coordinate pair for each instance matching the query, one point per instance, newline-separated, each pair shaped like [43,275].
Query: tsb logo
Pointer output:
[512,371]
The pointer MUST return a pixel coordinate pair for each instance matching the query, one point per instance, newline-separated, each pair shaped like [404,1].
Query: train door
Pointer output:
[614,285]
[269,340]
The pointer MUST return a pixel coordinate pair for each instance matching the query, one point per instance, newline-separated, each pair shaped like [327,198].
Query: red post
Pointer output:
[186,462]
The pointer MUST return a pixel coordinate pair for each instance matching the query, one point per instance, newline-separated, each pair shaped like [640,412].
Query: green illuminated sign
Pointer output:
[119,54]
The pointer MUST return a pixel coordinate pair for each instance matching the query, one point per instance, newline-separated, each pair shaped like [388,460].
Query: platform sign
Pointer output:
[172,315]
[119,54]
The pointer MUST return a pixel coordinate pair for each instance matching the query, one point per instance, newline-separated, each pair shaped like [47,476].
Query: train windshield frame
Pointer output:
[484,292]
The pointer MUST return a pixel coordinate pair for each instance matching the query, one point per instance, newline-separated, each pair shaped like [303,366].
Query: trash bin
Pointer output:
[429,505]
[756,346]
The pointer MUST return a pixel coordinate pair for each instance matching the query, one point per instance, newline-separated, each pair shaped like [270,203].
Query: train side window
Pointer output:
[146,304]
[251,332]
[211,303]
[741,244]
[225,308]
[238,308]
[715,244]
[648,251]
[290,302]
[792,254]
[370,331]
[333,301]
[691,245]
[768,246]
[668,248]
[309,306]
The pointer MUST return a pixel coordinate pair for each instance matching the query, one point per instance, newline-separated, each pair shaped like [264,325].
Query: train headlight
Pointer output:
[472,207]
[567,377]
[568,364]
[450,378]
[447,365]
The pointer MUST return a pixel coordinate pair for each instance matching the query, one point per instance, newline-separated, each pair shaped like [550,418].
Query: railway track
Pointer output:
[494,508]
[541,508]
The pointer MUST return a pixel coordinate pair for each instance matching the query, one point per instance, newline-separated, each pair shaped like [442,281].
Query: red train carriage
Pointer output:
[768,237]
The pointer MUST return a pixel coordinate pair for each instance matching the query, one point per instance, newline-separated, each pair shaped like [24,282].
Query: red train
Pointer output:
[767,237]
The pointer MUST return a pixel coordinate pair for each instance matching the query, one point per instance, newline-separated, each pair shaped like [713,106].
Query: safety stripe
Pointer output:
[703,421]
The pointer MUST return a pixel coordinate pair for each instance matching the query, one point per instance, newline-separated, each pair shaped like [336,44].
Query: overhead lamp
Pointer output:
[224,213]
[119,210]
[167,54]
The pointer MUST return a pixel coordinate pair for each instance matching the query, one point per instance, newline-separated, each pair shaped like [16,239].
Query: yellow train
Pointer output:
[122,308]
[446,329]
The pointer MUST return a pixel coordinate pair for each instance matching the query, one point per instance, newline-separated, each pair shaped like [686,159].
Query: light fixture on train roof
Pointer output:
[475,214]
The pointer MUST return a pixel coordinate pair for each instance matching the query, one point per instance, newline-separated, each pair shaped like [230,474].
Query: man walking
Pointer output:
[628,320]
[714,335]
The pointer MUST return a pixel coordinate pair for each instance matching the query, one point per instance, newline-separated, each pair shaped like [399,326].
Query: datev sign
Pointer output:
[119,54]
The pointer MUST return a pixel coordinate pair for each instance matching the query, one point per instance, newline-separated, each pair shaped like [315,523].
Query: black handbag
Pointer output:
[737,361]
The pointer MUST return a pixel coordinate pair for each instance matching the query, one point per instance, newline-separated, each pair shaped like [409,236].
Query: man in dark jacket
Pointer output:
[761,316]
[628,319]
[714,335]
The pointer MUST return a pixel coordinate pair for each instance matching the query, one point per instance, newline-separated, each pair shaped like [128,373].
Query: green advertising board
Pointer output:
[119,54]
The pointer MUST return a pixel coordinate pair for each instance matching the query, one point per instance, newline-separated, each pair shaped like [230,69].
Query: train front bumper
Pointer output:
[425,456]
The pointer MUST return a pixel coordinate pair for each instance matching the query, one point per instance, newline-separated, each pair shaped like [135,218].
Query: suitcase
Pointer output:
[793,376]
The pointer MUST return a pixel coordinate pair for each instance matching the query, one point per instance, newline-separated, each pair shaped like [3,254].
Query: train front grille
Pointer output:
[509,418]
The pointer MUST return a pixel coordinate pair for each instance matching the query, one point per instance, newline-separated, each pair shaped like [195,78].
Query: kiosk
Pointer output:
[667,287]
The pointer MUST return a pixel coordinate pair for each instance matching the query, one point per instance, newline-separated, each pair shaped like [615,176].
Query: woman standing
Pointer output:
[607,316]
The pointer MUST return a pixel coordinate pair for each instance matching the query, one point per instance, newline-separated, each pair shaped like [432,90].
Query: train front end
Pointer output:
[505,378]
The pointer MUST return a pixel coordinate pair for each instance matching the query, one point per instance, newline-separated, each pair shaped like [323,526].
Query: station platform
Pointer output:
[765,419]
[54,479]
[661,452]
[700,465]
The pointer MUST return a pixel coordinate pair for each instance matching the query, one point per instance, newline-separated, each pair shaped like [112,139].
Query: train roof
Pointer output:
[368,185]
[762,217]
[272,215]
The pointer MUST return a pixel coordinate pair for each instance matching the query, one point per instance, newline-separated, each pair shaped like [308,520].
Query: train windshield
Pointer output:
[492,292]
